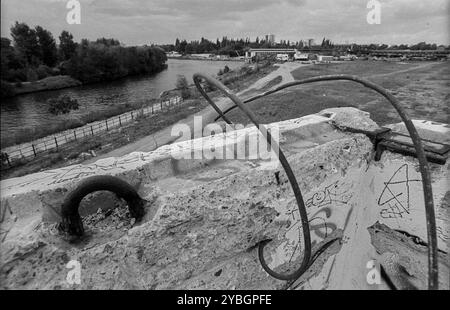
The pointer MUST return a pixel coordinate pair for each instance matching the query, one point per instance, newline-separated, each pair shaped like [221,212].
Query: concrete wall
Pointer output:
[205,217]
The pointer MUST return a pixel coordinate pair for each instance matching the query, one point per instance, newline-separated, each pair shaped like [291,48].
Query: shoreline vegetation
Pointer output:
[46,84]
[191,57]
[32,61]
[76,152]
[229,78]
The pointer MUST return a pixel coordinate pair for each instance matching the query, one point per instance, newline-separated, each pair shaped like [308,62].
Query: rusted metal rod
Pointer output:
[433,283]
[287,168]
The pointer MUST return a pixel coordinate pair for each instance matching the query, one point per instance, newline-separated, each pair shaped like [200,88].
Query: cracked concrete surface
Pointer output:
[205,218]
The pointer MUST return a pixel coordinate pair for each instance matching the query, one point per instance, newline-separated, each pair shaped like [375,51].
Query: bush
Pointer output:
[226,69]
[63,104]
[31,75]
[183,86]
[43,71]
[6,89]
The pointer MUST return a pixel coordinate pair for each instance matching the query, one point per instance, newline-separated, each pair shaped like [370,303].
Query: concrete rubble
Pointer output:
[205,218]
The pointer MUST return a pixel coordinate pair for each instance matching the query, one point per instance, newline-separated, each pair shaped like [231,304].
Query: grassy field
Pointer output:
[421,87]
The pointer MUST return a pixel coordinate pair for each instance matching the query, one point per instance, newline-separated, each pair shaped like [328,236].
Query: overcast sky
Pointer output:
[161,21]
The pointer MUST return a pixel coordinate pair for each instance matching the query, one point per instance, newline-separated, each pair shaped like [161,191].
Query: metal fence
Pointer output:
[18,154]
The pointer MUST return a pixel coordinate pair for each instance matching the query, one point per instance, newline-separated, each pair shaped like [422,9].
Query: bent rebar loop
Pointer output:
[423,163]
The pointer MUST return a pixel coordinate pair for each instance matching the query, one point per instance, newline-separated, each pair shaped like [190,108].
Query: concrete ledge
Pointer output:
[206,216]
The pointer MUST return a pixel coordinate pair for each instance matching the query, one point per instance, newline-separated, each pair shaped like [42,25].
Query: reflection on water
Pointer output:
[31,110]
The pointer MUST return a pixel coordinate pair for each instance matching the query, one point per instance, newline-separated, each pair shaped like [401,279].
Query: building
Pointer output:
[324,58]
[173,54]
[301,56]
[253,52]
[203,55]
[270,38]
[310,42]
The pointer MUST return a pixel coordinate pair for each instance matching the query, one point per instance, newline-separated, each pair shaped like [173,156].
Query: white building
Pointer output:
[300,56]
[173,54]
[269,51]
[324,58]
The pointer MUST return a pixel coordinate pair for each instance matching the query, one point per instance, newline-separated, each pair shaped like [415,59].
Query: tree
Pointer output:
[11,61]
[47,46]
[183,86]
[26,42]
[67,46]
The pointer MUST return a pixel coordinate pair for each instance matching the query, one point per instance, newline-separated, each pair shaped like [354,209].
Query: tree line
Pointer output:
[33,54]
[237,47]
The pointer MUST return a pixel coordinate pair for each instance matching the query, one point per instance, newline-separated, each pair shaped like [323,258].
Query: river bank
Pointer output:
[138,131]
[48,83]
[26,117]
[235,59]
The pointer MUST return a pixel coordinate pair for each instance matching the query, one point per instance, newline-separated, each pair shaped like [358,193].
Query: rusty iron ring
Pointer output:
[71,220]
[433,279]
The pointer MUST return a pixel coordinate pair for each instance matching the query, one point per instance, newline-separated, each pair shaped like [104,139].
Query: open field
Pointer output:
[421,87]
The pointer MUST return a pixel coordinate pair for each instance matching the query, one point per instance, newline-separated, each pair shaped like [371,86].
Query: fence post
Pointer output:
[92,130]
[56,142]
[152,108]
[75,134]
[132,115]
[34,150]
[161,105]
[120,121]
[7,159]
[106,122]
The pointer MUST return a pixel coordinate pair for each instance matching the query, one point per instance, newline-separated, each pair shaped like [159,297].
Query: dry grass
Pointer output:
[423,91]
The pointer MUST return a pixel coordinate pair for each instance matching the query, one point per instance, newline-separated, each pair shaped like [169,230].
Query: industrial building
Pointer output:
[253,52]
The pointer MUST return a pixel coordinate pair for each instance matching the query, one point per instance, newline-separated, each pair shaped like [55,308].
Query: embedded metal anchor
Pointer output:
[385,139]
[71,220]
[415,144]
[435,152]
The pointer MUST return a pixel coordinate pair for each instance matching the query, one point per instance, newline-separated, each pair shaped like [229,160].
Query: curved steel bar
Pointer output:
[197,82]
[290,174]
[71,220]
[423,163]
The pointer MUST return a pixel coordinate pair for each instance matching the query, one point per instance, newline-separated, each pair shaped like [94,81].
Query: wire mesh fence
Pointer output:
[21,153]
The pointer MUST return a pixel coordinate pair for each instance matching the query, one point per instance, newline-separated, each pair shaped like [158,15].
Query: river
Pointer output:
[30,111]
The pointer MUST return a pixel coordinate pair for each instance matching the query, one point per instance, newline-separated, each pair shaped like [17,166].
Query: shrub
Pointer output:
[6,89]
[63,104]
[43,71]
[183,86]
[226,69]
[31,75]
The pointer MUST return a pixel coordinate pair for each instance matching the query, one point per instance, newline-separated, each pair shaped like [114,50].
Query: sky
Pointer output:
[137,22]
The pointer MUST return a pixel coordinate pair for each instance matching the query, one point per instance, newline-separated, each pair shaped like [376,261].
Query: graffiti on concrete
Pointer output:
[441,234]
[395,196]
[75,172]
[334,195]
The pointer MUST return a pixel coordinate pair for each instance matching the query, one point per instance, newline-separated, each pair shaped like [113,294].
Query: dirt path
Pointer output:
[421,66]
[164,136]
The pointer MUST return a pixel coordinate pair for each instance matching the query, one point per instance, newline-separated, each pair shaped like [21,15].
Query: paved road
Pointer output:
[164,136]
